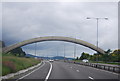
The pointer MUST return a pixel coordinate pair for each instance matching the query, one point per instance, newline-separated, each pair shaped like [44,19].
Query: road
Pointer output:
[61,70]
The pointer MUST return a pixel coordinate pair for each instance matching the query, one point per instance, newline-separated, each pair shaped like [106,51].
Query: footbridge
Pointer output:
[52,38]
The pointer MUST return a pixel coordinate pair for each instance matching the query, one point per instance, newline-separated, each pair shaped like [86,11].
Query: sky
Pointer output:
[25,20]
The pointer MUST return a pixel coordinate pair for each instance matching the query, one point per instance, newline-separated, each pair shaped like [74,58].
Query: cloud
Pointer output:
[22,21]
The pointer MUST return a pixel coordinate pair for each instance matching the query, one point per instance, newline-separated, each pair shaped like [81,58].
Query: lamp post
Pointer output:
[75,50]
[97,20]
[35,50]
[64,52]
[57,51]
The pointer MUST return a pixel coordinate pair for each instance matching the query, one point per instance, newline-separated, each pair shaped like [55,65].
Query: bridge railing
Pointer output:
[99,66]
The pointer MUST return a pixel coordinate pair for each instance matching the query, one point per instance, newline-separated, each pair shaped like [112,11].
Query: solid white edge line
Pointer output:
[48,75]
[31,72]
[90,78]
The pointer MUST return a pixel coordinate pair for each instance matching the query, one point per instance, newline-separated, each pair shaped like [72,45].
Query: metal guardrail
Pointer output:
[99,66]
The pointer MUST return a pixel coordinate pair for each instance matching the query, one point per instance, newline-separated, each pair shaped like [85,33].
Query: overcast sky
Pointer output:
[26,20]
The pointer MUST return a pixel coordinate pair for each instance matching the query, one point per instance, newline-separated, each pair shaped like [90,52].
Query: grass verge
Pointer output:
[12,64]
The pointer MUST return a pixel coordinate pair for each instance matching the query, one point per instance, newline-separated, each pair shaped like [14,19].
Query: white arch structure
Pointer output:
[53,38]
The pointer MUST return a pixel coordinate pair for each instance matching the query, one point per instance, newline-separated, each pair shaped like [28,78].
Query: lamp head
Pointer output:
[88,18]
[106,18]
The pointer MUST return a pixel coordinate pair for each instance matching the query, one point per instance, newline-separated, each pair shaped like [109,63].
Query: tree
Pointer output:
[84,56]
[115,56]
[106,56]
[18,52]
[77,58]
[109,56]
[108,51]
[2,43]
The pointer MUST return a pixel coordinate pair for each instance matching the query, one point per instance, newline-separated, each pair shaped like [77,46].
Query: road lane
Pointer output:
[63,70]
[39,73]
[96,73]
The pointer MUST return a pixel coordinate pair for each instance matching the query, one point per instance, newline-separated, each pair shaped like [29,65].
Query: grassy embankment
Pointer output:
[0,63]
[11,63]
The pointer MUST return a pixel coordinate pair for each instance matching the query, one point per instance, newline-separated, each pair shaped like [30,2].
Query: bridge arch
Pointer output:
[53,38]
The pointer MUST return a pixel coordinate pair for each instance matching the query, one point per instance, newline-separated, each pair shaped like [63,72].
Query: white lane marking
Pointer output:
[101,70]
[70,67]
[31,72]
[90,78]
[48,75]
[77,70]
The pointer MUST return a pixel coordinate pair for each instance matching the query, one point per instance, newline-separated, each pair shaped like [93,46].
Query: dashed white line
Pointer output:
[77,70]
[70,67]
[48,75]
[31,72]
[90,78]
[102,70]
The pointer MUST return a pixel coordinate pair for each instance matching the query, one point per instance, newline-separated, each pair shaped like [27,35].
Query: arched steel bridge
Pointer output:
[53,38]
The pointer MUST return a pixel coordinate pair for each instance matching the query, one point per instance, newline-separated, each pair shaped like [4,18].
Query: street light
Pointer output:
[35,50]
[64,52]
[97,19]
[75,50]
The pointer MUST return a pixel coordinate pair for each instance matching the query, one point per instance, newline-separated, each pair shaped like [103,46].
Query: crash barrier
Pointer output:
[99,66]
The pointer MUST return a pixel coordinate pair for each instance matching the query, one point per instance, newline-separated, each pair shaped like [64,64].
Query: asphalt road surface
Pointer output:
[62,70]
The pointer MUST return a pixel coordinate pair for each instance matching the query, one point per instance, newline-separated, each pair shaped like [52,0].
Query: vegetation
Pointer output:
[15,60]
[109,57]
[18,52]
[0,63]
[84,56]
[12,63]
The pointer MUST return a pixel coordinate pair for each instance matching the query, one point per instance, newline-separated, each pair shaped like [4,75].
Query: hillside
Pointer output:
[55,57]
